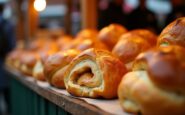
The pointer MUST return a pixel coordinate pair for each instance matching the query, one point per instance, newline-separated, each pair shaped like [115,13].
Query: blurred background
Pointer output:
[22,20]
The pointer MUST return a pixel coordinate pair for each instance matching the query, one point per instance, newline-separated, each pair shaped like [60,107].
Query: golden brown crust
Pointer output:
[157,79]
[111,34]
[54,66]
[88,43]
[129,46]
[87,34]
[64,41]
[148,35]
[12,58]
[92,72]
[173,34]
[28,60]
[168,59]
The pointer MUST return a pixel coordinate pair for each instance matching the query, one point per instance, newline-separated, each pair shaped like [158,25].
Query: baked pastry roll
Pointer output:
[87,34]
[56,65]
[28,60]
[173,34]
[111,34]
[64,41]
[13,58]
[148,35]
[48,49]
[156,84]
[128,47]
[94,73]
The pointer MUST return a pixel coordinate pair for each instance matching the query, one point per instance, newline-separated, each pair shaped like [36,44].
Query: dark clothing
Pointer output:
[142,18]
[177,12]
[113,14]
[7,39]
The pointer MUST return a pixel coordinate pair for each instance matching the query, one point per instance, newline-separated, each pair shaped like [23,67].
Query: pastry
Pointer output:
[49,48]
[64,41]
[111,34]
[173,34]
[94,73]
[27,62]
[56,65]
[147,35]
[12,59]
[87,34]
[156,84]
[128,47]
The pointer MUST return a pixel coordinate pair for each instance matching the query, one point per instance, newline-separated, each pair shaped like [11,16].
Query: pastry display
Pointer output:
[56,65]
[156,84]
[173,34]
[128,47]
[111,34]
[94,73]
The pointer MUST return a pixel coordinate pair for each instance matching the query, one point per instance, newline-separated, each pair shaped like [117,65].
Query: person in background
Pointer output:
[111,11]
[7,43]
[178,10]
[141,17]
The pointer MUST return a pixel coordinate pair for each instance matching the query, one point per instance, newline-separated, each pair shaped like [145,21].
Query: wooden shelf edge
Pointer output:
[69,104]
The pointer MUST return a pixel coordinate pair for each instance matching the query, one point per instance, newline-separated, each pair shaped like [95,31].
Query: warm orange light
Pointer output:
[40,5]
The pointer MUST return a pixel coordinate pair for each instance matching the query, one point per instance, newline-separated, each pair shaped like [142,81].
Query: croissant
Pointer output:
[56,65]
[128,47]
[173,34]
[94,73]
[111,34]
[156,84]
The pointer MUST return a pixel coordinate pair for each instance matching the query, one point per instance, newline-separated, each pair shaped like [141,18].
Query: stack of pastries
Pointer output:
[146,72]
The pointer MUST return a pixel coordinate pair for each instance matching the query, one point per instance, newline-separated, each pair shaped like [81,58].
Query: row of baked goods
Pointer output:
[146,72]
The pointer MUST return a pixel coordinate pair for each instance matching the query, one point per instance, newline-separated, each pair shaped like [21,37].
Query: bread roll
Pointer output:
[48,49]
[111,34]
[173,34]
[28,60]
[148,35]
[94,73]
[13,58]
[156,84]
[56,65]
[128,47]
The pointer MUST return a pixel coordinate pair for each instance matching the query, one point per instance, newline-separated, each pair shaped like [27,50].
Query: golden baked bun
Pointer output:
[87,34]
[147,35]
[173,34]
[28,60]
[56,65]
[48,49]
[156,84]
[111,34]
[64,41]
[36,44]
[94,73]
[128,47]
[89,43]
[12,59]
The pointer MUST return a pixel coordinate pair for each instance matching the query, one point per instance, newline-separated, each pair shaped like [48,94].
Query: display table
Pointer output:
[28,98]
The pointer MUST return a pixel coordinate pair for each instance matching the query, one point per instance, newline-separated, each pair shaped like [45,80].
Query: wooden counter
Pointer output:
[68,104]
